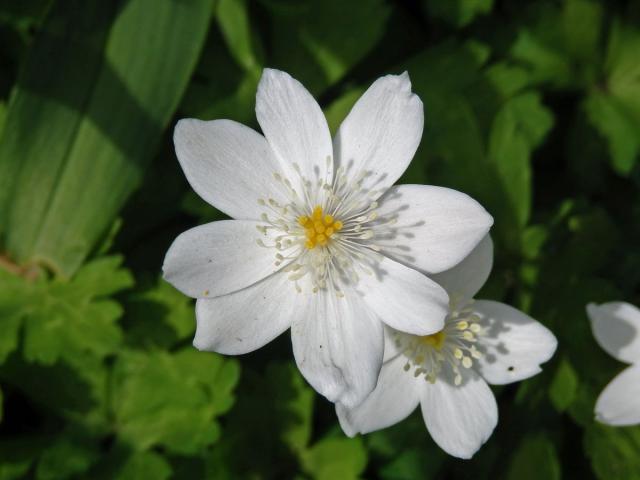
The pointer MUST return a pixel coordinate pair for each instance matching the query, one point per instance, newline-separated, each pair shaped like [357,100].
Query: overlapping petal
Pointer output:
[467,278]
[435,228]
[403,298]
[460,418]
[381,133]
[513,344]
[217,258]
[616,327]
[394,398]
[338,346]
[229,165]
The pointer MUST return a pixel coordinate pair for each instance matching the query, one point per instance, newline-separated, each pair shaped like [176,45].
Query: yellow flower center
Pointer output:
[435,340]
[318,227]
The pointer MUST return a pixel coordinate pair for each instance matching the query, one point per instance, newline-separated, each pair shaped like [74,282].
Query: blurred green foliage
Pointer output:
[531,107]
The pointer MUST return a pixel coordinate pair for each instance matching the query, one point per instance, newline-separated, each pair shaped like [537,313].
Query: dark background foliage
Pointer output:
[531,107]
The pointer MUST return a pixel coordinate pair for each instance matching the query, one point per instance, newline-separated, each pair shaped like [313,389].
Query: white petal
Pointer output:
[217,258]
[436,227]
[403,298]
[338,346]
[248,319]
[616,327]
[393,400]
[229,165]
[381,133]
[514,344]
[619,402]
[459,418]
[467,278]
[294,126]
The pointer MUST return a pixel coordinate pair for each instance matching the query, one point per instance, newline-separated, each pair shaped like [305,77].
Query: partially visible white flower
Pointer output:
[447,372]
[616,328]
[320,242]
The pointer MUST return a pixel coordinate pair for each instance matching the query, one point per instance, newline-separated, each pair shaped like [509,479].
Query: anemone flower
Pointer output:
[320,241]
[447,372]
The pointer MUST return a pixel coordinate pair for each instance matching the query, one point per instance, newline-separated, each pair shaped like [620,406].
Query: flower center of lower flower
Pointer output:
[452,347]
[318,227]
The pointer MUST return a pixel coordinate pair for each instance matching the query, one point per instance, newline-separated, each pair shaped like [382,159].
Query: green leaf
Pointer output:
[172,400]
[330,458]
[69,455]
[535,458]
[458,13]
[233,19]
[564,386]
[613,451]
[85,118]
[518,127]
[318,42]
[159,316]
[143,466]
[338,110]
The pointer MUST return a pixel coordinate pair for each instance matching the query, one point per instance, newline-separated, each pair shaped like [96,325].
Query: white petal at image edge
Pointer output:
[338,346]
[436,227]
[616,328]
[619,402]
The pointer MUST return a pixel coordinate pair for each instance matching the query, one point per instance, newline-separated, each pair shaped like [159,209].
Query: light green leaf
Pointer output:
[458,13]
[564,386]
[172,400]
[535,458]
[330,458]
[86,115]
[143,466]
[340,108]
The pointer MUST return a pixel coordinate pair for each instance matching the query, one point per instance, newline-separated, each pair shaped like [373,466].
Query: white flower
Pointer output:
[320,242]
[616,328]
[447,372]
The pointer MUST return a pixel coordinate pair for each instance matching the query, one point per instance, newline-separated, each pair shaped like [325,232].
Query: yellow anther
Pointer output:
[462,325]
[318,227]
[435,340]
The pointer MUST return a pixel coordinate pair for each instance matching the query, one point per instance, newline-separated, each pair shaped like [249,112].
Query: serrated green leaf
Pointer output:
[331,458]
[535,458]
[159,316]
[172,400]
[458,13]
[86,116]
[613,451]
[564,386]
